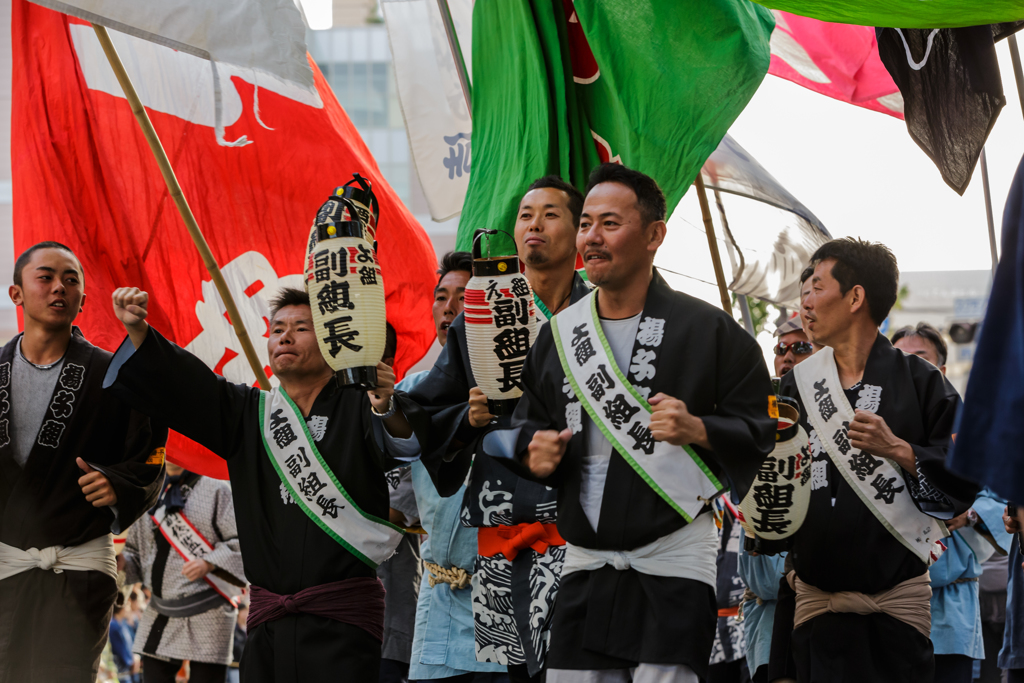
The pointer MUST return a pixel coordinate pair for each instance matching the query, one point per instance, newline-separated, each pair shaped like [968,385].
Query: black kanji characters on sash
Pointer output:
[340,335]
[281,429]
[284,435]
[618,411]
[329,506]
[643,439]
[600,382]
[512,343]
[773,504]
[579,333]
[826,408]
[179,530]
[71,376]
[520,288]
[50,433]
[820,390]
[584,351]
[510,311]
[864,464]
[841,439]
[310,485]
[886,488]
[296,462]
[333,297]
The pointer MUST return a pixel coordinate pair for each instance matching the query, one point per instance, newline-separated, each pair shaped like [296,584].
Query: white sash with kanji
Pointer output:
[191,545]
[677,474]
[314,487]
[879,482]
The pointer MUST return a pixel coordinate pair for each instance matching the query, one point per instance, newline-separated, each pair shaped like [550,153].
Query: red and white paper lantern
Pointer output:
[501,326]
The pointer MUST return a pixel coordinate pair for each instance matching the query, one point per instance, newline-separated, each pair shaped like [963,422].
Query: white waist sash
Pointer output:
[689,553]
[96,555]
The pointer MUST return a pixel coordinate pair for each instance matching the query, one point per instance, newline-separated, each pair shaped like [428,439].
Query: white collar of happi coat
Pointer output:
[878,482]
[313,486]
[597,384]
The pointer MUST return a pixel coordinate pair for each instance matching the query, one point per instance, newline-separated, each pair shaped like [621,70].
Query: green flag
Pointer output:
[905,13]
[557,89]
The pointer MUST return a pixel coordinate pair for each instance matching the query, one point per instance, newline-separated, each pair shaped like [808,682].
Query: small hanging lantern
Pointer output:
[501,326]
[346,292]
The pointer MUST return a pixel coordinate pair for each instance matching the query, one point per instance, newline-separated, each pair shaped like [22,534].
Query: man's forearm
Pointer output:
[137,333]
[397,425]
[903,455]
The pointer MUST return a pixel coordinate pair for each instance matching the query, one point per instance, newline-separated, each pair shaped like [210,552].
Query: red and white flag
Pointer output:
[84,176]
[837,60]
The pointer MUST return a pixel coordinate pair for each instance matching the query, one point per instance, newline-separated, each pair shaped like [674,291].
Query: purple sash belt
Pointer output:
[358,601]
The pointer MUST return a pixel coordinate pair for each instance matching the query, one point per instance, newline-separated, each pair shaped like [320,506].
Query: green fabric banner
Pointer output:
[557,89]
[905,13]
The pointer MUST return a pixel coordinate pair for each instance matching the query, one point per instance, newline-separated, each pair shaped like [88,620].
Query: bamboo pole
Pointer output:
[709,228]
[179,200]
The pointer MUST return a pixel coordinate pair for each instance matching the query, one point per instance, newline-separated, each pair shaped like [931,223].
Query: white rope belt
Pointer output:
[689,553]
[96,555]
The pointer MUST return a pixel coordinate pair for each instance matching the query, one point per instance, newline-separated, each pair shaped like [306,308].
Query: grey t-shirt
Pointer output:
[35,388]
[620,335]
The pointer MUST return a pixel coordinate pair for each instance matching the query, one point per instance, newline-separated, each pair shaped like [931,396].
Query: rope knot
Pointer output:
[287,602]
[45,558]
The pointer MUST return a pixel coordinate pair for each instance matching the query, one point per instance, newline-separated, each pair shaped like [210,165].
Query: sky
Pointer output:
[862,175]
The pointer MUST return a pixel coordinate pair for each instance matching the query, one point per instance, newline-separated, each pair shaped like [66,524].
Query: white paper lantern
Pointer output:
[501,326]
[776,504]
[346,292]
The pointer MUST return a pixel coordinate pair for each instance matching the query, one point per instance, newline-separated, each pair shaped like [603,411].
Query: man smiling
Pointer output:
[640,404]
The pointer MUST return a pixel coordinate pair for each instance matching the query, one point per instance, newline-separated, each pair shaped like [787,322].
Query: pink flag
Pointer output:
[838,60]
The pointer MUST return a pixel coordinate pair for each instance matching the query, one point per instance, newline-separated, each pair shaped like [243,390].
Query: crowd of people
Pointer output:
[599,534]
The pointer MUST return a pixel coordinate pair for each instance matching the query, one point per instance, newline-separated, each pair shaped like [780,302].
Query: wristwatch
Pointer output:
[390,411]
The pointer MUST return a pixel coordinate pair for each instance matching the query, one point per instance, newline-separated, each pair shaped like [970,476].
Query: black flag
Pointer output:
[951,88]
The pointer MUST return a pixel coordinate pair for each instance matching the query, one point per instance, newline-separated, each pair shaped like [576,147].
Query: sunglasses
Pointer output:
[800,348]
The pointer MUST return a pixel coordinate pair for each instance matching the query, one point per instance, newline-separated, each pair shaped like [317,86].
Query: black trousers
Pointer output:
[159,671]
[520,673]
[954,669]
[393,671]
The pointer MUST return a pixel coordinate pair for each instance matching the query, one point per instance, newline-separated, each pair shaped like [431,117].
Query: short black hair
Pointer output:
[650,200]
[454,260]
[808,271]
[288,296]
[556,183]
[868,264]
[925,331]
[390,342]
[26,256]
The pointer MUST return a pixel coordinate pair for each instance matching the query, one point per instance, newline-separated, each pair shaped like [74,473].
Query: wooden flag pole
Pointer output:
[183,208]
[709,228]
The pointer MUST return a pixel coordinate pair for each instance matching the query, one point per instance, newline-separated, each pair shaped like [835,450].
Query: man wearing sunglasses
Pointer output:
[793,346]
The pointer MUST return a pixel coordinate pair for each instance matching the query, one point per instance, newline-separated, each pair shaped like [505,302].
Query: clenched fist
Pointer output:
[673,423]
[95,486]
[546,450]
[380,395]
[130,307]
[479,414]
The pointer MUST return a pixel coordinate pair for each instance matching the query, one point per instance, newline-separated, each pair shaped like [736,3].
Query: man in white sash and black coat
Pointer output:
[307,464]
[641,404]
[513,589]
[879,423]
[75,465]
[186,552]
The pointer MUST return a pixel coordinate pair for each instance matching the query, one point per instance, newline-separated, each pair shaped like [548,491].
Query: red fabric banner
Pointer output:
[255,169]
[837,60]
